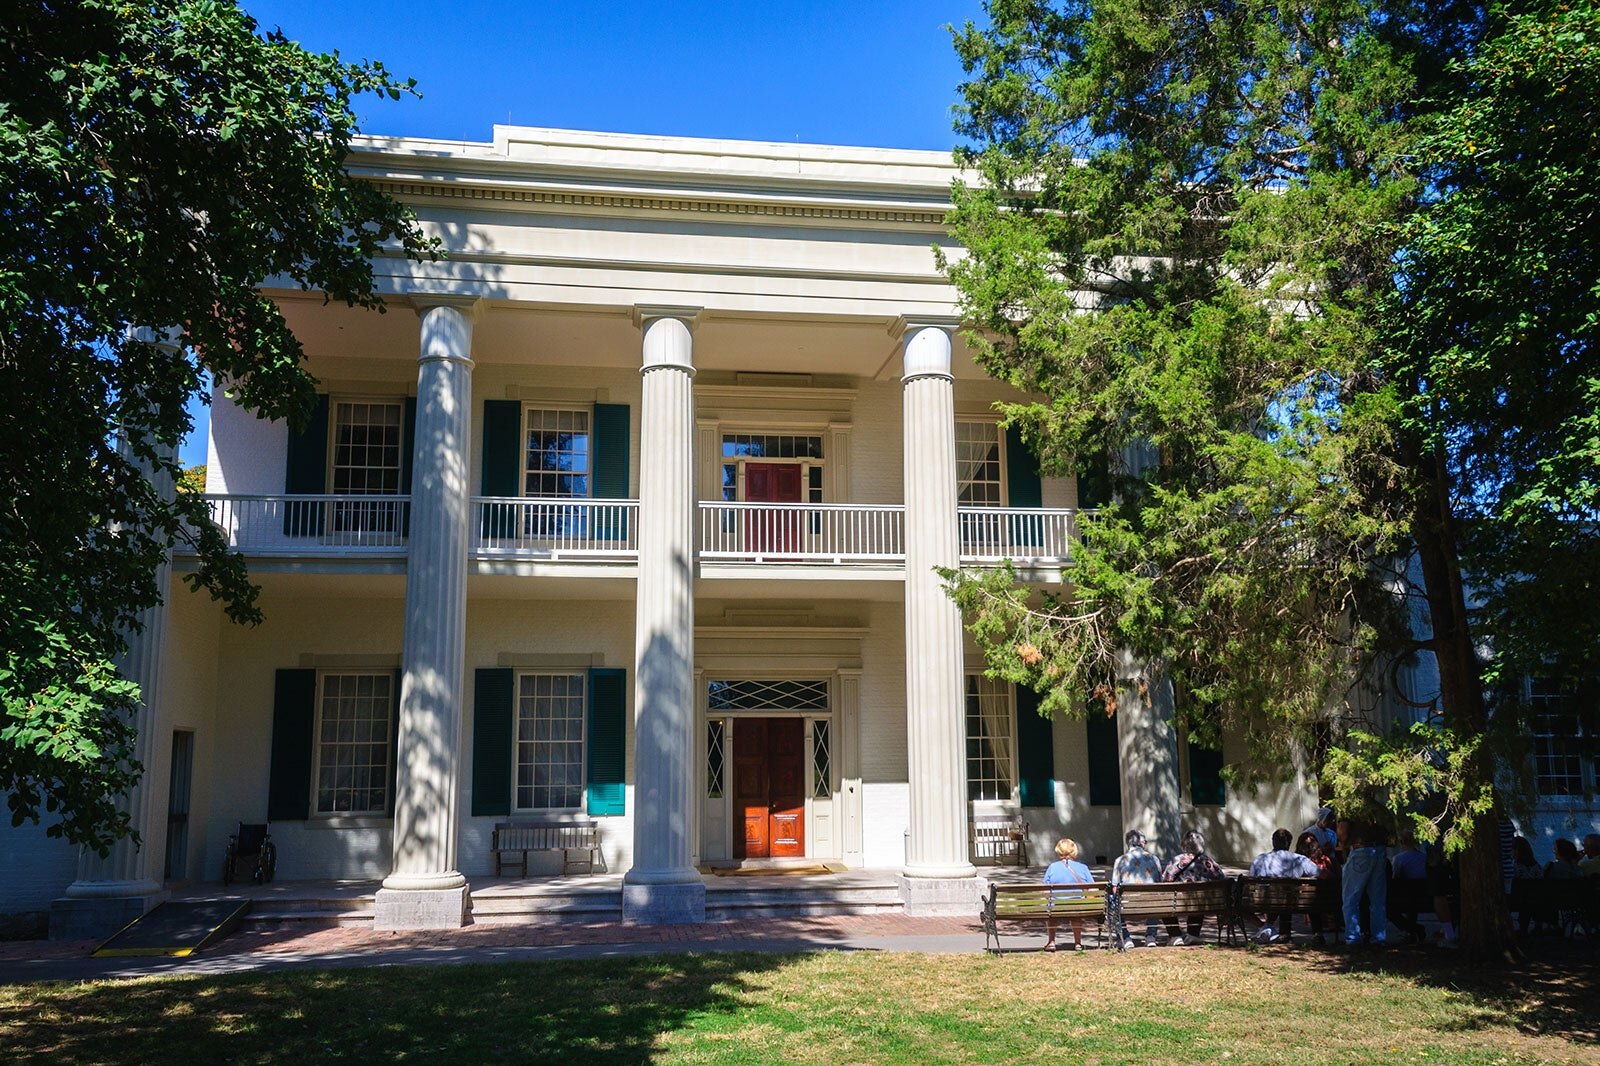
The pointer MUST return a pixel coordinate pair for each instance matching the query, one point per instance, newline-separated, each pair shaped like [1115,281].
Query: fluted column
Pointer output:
[935,720]
[425,890]
[662,885]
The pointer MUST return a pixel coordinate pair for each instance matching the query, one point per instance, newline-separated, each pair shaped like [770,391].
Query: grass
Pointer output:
[1204,1005]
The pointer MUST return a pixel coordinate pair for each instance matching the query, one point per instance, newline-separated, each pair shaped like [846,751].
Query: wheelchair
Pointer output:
[250,849]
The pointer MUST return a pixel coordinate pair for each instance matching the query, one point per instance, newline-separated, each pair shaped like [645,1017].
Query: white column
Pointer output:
[935,720]
[113,889]
[663,886]
[425,890]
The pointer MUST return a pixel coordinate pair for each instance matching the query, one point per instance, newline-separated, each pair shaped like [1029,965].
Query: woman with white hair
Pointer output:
[1190,864]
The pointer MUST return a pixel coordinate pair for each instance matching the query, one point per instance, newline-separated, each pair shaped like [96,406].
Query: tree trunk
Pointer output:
[1484,922]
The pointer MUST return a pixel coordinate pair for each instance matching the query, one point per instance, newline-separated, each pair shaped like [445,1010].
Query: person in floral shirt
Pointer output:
[1190,864]
[1136,866]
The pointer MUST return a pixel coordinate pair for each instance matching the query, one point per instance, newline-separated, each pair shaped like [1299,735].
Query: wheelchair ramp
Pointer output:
[176,928]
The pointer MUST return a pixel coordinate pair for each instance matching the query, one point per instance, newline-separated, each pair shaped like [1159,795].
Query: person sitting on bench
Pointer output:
[1066,870]
[1280,862]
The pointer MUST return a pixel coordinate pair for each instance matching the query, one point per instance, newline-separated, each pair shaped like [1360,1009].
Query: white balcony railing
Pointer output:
[802,532]
[1021,534]
[312,525]
[554,527]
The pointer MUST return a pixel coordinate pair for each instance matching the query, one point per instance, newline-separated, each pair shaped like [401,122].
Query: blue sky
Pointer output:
[871,72]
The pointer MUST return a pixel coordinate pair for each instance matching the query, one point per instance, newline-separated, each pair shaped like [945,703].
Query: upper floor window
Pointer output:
[558,452]
[1564,762]
[980,475]
[991,752]
[367,443]
[772,467]
[354,717]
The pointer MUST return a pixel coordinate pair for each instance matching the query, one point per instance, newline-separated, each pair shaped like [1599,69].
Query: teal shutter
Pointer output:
[294,713]
[502,460]
[394,743]
[608,712]
[408,454]
[611,441]
[1105,769]
[1036,758]
[305,472]
[1023,489]
[493,702]
[1206,788]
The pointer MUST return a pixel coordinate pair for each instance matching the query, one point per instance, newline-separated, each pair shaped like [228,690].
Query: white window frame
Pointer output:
[1007,799]
[807,463]
[582,677]
[318,753]
[334,403]
[1003,494]
[531,408]
[1549,744]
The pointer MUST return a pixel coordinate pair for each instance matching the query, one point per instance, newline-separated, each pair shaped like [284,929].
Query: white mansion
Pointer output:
[629,510]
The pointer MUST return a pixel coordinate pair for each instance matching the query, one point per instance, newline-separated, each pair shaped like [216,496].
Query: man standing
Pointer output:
[1136,866]
[1280,862]
[1366,872]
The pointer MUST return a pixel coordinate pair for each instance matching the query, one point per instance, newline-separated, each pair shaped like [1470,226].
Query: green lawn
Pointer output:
[1205,1005]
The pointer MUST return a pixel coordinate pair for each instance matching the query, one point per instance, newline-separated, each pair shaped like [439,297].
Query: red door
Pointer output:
[769,787]
[772,532]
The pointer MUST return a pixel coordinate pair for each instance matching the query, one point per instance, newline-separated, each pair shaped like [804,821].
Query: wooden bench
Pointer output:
[513,840]
[1559,901]
[1040,904]
[1171,901]
[1287,895]
[1000,837]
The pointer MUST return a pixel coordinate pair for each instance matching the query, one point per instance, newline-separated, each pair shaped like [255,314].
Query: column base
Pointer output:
[401,908]
[928,896]
[673,903]
[96,917]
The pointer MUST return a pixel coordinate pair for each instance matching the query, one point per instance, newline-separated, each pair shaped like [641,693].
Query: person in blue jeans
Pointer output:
[1066,870]
[1365,873]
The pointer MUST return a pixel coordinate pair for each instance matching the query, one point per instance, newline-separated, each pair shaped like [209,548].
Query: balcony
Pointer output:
[561,529]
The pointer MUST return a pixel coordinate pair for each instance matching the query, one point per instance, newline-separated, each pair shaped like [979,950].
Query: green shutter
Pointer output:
[608,713]
[294,712]
[493,717]
[394,742]
[305,472]
[1206,788]
[611,433]
[1105,769]
[1036,758]
[1023,489]
[502,460]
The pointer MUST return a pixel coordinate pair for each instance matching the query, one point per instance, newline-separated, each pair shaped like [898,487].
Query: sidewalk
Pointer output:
[323,947]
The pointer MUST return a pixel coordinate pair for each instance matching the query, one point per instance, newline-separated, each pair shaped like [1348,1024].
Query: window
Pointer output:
[558,453]
[550,715]
[355,715]
[803,449]
[821,775]
[989,739]
[753,695]
[1564,763]
[716,741]
[980,479]
[368,445]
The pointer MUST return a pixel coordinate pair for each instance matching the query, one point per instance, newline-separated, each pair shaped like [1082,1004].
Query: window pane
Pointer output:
[550,719]
[353,770]
[989,747]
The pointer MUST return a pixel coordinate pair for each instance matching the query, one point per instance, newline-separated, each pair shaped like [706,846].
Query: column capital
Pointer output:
[927,354]
[909,325]
[668,344]
[644,314]
[423,302]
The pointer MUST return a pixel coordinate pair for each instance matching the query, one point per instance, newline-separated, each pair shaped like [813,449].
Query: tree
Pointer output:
[1201,239]
[158,162]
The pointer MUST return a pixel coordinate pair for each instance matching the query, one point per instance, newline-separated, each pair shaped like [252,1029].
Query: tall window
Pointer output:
[367,450]
[1564,761]
[550,712]
[558,453]
[990,748]
[354,715]
[979,478]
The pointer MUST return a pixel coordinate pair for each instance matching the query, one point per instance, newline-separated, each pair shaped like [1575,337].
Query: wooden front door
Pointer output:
[771,532]
[769,777]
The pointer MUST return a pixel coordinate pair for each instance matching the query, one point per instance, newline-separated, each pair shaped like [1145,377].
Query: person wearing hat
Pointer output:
[1323,829]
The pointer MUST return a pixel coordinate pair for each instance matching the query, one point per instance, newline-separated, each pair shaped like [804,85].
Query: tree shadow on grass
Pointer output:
[610,1010]
[1553,991]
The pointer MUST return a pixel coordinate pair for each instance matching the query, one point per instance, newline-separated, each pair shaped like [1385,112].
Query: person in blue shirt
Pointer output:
[1066,870]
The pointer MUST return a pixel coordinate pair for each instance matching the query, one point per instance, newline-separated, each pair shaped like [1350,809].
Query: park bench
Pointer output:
[1171,900]
[1287,895]
[1561,902]
[578,842]
[1001,837]
[1038,904]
